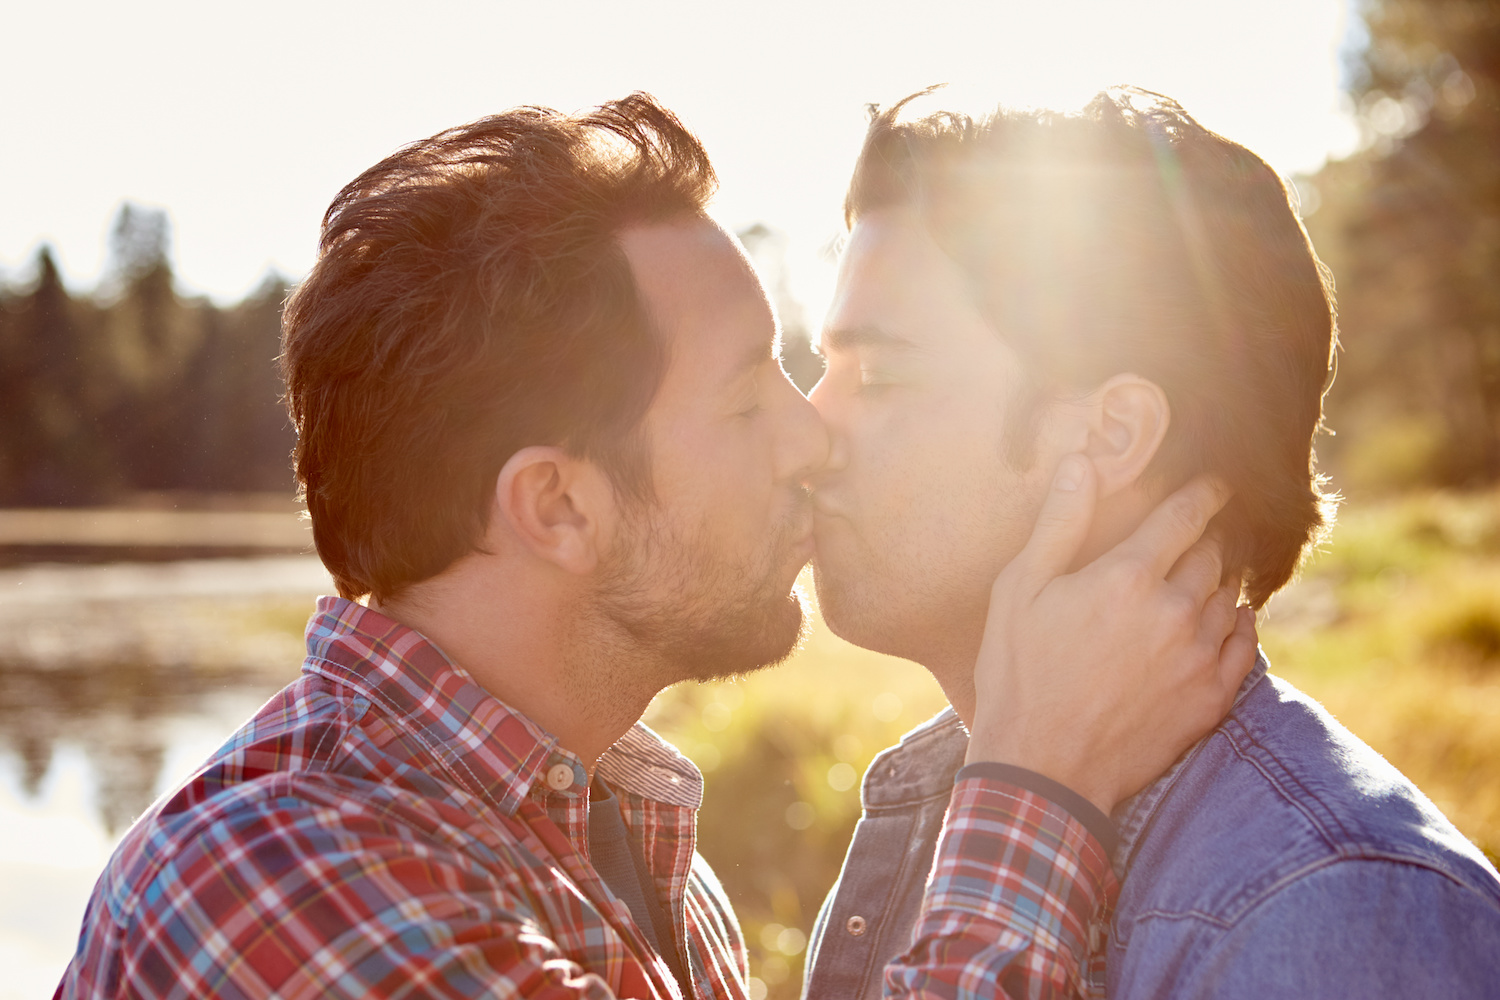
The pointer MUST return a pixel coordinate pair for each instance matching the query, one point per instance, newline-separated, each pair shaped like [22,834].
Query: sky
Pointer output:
[243,120]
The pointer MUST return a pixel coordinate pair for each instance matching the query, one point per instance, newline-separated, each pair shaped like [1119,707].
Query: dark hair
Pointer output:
[471,298]
[1128,238]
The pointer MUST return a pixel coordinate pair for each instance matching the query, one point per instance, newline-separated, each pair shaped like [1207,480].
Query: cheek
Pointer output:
[718,473]
[956,508]
[905,470]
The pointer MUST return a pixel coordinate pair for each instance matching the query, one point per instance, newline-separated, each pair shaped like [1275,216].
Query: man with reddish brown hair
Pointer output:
[1123,285]
[545,440]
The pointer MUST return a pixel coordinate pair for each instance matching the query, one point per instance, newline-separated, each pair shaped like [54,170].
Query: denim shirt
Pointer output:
[1280,856]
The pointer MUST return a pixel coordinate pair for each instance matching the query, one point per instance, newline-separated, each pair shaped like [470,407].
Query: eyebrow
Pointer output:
[854,338]
[750,360]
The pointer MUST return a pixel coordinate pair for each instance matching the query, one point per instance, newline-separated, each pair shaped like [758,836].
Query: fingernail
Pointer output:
[1069,474]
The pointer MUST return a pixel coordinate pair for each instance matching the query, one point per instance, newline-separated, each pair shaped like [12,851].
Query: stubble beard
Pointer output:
[697,613]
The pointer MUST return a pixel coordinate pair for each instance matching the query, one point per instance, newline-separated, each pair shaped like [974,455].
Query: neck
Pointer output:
[953,668]
[952,664]
[526,640]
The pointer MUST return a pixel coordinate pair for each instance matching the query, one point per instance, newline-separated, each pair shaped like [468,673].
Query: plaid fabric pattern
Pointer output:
[1016,886]
[385,828]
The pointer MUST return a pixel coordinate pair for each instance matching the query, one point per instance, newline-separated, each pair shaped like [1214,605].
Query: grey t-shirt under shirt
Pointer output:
[622,866]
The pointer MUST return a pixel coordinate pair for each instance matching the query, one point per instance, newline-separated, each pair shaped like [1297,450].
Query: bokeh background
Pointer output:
[163,167]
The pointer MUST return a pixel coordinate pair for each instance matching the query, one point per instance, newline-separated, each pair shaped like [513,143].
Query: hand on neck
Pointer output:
[1115,518]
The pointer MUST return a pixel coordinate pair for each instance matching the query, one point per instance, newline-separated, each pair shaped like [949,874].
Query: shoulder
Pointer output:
[294,855]
[313,783]
[307,828]
[1353,927]
[319,884]
[1278,793]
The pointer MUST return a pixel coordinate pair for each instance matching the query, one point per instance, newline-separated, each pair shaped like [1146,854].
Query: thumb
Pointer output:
[1064,521]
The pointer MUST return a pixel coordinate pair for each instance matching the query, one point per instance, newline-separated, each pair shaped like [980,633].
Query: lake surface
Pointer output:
[116,681]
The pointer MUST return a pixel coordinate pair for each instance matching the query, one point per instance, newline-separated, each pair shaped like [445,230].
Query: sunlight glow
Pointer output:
[244,122]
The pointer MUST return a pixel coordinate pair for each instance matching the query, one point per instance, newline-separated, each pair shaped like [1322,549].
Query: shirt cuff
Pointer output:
[1017,886]
[1059,794]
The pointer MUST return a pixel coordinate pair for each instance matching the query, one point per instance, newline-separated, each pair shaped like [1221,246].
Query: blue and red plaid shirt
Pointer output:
[384,827]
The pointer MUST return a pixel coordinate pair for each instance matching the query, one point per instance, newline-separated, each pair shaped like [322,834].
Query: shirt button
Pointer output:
[559,777]
[856,925]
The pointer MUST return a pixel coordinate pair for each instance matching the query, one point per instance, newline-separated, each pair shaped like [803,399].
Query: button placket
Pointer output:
[561,775]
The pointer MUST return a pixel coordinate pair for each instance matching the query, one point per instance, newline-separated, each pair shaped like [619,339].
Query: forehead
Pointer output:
[893,278]
[703,295]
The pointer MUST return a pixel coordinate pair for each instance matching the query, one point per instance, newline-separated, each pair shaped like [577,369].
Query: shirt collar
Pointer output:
[1134,814]
[491,749]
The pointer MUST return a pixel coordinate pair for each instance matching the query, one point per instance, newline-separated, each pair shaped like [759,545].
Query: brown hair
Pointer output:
[1128,238]
[470,299]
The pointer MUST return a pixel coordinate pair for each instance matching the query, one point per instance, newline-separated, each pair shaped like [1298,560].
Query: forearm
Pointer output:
[1016,881]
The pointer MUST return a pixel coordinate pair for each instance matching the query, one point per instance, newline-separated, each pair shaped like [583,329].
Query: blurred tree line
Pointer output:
[135,388]
[1410,226]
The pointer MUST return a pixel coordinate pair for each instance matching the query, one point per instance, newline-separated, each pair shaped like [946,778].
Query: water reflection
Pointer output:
[104,657]
[115,682]
[115,713]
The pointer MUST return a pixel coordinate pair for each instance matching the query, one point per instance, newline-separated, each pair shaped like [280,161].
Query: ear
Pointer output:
[557,506]
[1127,421]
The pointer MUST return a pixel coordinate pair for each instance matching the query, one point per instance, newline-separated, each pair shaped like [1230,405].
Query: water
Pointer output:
[115,682]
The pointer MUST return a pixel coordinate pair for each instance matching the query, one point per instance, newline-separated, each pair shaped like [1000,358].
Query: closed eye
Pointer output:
[872,377]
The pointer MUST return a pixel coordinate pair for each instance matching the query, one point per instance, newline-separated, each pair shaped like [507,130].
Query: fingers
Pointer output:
[1060,529]
[1200,571]
[1175,524]
[1238,654]
[1219,616]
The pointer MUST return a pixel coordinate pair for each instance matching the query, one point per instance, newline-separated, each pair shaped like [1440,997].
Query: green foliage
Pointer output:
[1472,628]
[1411,229]
[136,388]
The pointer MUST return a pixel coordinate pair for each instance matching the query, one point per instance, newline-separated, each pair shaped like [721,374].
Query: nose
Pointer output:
[826,402]
[802,445]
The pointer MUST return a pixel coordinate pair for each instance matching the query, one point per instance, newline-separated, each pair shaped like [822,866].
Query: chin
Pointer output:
[739,644]
[880,619]
[845,610]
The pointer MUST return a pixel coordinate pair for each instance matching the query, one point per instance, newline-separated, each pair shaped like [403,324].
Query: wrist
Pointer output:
[1094,819]
[1079,777]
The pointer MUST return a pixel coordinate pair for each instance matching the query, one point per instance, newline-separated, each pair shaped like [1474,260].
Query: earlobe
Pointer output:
[1129,420]
[549,503]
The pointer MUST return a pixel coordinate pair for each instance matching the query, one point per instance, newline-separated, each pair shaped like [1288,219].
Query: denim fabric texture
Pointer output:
[1281,856]
[866,919]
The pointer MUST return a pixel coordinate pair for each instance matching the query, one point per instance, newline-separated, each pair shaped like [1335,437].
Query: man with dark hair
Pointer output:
[543,436]
[1123,285]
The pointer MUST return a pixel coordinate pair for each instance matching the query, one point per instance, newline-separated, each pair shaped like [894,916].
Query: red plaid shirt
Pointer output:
[1018,890]
[383,827]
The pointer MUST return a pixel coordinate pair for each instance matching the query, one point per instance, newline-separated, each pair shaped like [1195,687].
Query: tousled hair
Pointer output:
[471,298]
[1128,238]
